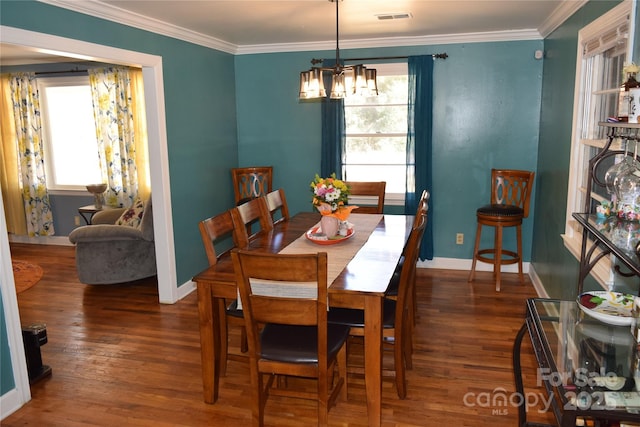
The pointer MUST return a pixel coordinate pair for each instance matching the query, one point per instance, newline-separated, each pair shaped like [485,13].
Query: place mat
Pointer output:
[338,255]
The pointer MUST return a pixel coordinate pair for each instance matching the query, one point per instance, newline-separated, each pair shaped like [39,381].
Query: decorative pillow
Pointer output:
[132,216]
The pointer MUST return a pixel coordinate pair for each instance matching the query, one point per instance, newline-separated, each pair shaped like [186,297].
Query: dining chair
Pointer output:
[277,204]
[246,216]
[510,196]
[397,322]
[368,189]
[394,283]
[289,335]
[251,182]
[218,230]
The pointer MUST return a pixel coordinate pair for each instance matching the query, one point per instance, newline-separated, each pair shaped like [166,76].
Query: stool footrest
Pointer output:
[513,260]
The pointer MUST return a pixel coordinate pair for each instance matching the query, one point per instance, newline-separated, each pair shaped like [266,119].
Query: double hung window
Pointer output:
[602,53]
[376,133]
[69,133]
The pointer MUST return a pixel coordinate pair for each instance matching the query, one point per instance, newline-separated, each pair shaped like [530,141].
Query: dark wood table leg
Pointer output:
[373,359]
[209,343]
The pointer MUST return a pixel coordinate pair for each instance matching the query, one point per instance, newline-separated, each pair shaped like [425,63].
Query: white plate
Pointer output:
[613,308]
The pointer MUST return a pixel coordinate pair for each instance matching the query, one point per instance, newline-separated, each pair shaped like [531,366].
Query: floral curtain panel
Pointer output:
[111,92]
[9,171]
[26,112]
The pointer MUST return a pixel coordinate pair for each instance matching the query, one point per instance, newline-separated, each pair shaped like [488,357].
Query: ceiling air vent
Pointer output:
[390,16]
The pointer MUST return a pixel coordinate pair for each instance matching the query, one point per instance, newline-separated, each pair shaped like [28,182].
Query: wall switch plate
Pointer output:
[76,220]
[459,239]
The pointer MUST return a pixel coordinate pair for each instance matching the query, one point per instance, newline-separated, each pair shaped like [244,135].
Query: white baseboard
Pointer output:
[41,240]
[186,289]
[465,264]
[537,283]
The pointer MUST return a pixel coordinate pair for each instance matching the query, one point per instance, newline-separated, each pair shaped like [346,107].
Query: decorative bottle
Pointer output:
[623,97]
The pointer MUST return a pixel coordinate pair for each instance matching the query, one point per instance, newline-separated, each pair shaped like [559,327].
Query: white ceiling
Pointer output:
[249,26]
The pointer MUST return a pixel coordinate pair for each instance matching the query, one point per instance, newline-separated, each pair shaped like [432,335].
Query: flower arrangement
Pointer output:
[330,196]
[329,191]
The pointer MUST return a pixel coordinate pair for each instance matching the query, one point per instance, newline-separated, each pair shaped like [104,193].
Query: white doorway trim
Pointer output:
[159,175]
[156,124]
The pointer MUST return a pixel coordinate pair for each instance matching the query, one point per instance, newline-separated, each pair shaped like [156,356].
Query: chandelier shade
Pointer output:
[363,79]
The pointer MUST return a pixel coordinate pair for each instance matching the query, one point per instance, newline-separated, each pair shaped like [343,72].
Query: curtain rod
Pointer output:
[434,55]
[75,70]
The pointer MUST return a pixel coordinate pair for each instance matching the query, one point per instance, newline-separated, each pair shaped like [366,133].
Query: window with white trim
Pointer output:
[602,52]
[69,133]
[376,133]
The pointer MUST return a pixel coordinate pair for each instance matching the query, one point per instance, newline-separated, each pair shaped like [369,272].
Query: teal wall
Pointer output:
[200,114]
[7,382]
[486,114]
[554,264]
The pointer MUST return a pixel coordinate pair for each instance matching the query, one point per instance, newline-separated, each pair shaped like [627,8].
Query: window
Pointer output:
[69,133]
[602,54]
[376,133]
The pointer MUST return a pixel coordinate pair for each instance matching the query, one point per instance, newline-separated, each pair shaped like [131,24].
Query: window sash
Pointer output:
[359,169]
[76,155]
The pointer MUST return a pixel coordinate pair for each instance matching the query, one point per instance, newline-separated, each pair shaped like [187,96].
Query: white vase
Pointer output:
[329,225]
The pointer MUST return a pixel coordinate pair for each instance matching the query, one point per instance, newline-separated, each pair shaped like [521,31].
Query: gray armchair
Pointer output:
[107,253]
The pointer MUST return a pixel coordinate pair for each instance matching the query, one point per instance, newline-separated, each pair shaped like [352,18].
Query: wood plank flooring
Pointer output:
[120,358]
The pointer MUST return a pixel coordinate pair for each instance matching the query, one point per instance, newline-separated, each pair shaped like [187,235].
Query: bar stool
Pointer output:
[510,196]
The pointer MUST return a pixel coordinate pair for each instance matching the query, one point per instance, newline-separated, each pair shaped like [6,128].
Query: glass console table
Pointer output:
[611,236]
[588,367]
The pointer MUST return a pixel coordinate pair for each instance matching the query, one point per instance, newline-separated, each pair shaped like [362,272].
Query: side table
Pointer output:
[91,210]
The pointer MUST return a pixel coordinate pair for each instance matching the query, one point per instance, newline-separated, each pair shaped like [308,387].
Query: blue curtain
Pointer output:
[419,142]
[333,130]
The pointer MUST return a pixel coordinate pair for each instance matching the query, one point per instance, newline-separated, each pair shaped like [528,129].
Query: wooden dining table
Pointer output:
[361,284]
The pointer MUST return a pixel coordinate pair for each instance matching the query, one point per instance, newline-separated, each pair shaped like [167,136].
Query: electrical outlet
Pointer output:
[459,239]
[76,219]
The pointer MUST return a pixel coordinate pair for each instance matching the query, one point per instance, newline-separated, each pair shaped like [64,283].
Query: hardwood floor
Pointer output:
[121,358]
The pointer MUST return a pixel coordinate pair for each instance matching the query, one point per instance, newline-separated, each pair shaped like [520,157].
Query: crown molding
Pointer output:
[561,13]
[392,42]
[121,16]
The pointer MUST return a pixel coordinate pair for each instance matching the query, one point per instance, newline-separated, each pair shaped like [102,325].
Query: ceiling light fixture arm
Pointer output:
[338,65]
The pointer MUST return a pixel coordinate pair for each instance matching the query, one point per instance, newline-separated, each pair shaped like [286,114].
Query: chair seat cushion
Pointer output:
[500,210]
[232,309]
[299,344]
[354,317]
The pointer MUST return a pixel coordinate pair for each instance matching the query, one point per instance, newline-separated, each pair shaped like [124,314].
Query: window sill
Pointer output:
[78,192]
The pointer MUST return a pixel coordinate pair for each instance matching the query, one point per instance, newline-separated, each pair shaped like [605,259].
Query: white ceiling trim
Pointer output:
[392,42]
[561,14]
[121,16]
[115,14]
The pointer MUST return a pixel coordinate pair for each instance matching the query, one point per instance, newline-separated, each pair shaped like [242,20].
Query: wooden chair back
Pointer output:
[246,216]
[219,231]
[371,189]
[215,229]
[512,187]
[251,182]
[292,316]
[423,205]
[251,266]
[277,204]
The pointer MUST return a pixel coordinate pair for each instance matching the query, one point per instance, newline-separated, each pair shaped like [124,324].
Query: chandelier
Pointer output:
[363,79]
